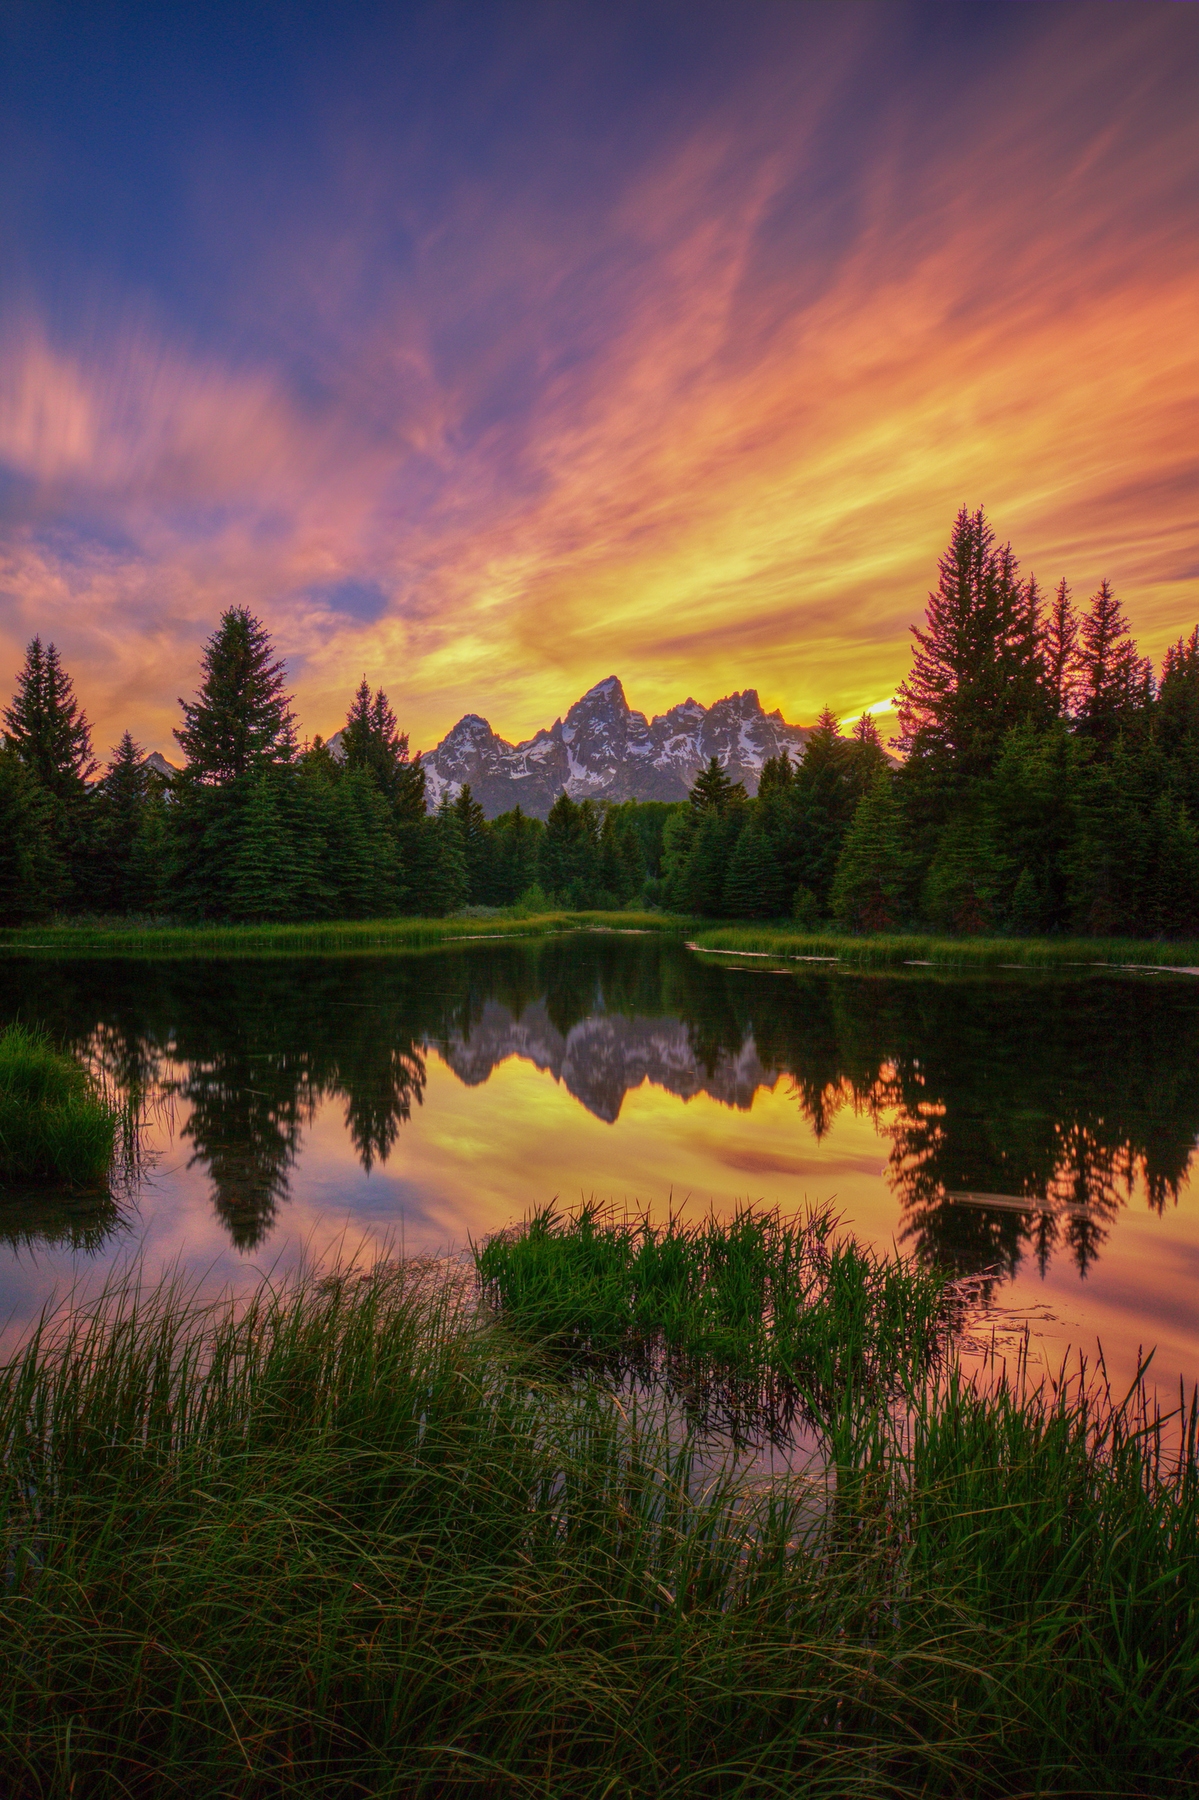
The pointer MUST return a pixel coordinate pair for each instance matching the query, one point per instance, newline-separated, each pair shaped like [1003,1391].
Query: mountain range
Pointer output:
[602,750]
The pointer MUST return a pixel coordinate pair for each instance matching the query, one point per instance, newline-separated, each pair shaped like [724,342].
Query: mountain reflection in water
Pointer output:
[1078,1094]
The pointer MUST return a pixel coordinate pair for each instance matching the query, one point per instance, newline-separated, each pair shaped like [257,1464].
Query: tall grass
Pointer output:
[54,1123]
[350,1541]
[170,937]
[890,951]
[744,1315]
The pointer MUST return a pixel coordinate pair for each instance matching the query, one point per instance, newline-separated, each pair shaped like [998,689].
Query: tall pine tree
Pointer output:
[241,718]
[46,728]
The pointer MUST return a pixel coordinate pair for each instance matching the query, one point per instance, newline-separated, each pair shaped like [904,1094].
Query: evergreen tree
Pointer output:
[751,885]
[714,792]
[121,802]
[241,719]
[824,802]
[777,777]
[869,891]
[32,875]
[444,883]
[977,669]
[262,873]
[514,863]
[372,741]
[475,837]
[46,728]
[963,887]
[361,863]
[1114,683]
[568,853]
[1060,653]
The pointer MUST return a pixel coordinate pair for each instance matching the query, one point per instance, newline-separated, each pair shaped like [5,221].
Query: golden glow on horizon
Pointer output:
[744,484]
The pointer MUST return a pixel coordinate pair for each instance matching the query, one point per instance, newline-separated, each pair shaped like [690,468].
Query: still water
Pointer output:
[1041,1127]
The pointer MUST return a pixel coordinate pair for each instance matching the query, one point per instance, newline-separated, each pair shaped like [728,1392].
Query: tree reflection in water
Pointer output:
[1070,1096]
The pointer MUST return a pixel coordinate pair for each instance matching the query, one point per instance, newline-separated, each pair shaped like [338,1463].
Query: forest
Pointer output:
[1047,782]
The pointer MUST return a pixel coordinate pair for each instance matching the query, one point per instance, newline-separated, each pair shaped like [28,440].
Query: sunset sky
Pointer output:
[492,349]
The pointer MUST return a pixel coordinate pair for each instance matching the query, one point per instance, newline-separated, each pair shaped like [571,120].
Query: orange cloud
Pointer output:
[697,435]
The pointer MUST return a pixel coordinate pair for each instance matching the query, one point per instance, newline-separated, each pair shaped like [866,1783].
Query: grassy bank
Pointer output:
[138,937]
[756,1318]
[54,1125]
[785,941]
[352,1541]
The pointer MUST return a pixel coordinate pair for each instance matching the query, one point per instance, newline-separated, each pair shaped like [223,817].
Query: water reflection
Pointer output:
[1064,1098]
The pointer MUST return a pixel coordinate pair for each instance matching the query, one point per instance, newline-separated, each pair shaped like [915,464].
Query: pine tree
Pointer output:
[241,719]
[977,668]
[360,854]
[121,803]
[751,886]
[1060,653]
[866,759]
[869,889]
[824,800]
[1114,682]
[261,873]
[442,876]
[714,792]
[475,837]
[32,874]
[373,741]
[45,727]
[568,852]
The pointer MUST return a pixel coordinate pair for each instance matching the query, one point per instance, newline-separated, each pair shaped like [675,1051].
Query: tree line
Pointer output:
[1048,782]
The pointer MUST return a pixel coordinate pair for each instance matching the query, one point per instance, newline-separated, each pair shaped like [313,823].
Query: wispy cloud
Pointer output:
[708,427]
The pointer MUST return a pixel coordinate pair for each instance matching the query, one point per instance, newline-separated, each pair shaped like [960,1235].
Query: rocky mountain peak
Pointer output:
[603,750]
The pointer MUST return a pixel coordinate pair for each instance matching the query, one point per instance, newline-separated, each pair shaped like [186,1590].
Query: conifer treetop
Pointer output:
[45,727]
[241,719]
[714,792]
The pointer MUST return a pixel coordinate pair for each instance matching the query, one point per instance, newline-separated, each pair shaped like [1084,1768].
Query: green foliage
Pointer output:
[45,727]
[32,873]
[373,743]
[568,854]
[241,718]
[714,792]
[54,1126]
[870,887]
[753,1301]
[753,883]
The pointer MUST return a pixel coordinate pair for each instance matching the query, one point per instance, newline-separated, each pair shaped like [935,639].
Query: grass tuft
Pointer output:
[744,1315]
[54,1125]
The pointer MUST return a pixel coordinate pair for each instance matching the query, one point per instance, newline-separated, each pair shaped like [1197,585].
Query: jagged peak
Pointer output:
[611,684]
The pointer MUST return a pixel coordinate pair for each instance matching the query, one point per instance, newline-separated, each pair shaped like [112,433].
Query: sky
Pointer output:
[491,349]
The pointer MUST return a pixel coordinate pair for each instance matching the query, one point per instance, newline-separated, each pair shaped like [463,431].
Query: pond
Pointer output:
[1039,1127]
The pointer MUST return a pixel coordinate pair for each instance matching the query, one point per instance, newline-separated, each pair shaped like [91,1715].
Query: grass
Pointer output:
[754,1317]
[54,1124]
[351,1540]
[170,937]
[887,951]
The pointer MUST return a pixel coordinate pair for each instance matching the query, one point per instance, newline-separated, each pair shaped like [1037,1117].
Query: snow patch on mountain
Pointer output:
[603,750]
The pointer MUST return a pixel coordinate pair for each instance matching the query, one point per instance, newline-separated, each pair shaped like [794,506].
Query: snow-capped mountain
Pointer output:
[603,750]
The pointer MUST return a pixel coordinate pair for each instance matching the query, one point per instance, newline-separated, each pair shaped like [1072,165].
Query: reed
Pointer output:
[349,1539]
[170,937]
[744,1315]
[55,1125]
[784,942]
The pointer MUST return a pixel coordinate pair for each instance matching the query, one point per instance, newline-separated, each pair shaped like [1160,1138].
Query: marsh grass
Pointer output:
[170,937]
[55,1123]
[758,1320]
[783,941]
[350,1539]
